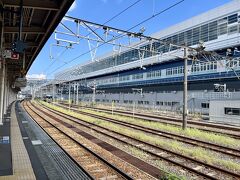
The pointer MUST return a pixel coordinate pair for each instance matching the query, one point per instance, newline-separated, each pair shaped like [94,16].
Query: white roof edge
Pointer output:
[231,7]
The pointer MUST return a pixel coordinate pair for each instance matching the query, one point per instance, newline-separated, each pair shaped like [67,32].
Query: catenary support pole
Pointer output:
[69,96]
[77,95]
[94,94]
[53,93]
[185,93]
[61,98]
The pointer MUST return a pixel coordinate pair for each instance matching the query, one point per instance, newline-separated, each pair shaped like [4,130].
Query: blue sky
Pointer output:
[102,10]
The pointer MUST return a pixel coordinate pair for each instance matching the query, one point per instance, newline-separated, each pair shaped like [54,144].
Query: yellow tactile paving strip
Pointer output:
[22,168]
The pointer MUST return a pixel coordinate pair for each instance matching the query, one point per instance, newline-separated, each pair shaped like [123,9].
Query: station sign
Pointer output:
[14,55]
[9,54]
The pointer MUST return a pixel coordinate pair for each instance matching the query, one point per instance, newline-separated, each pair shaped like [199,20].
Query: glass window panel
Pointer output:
[169,71]
[149,74]
[222,29]
[204,33]
[232,29]
[214,65]
[168,40]
[213,30]
[189,37]
[232,19]
[196,35]
[174,41]
[205,105]
[181,39]
[232,111]
[223,20]
[158,73]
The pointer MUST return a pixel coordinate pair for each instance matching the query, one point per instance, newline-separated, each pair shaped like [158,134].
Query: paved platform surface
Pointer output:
[21,164]
[34,154]
[5,145]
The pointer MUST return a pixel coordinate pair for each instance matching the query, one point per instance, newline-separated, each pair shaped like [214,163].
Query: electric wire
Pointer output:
[112,18]
[145,20]
[55,60]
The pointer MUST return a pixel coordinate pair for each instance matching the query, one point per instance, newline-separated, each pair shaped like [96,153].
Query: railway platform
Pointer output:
[27,152]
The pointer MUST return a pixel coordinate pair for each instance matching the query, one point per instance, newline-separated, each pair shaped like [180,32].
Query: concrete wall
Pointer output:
[153,100]
[217,111]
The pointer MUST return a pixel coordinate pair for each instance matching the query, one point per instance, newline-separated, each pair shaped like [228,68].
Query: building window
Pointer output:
[169,72]
[232,29]
[205,105]
[222,29]
[146,102]
[180,70]
[154,74]
[232,111]
[149,74]
[159,103]
[158,73]
[124,78]
[189,37]
[213,30]
[175,103]
[204,33]
[137,76]
[140,102]
[175,70]
[232,19]
[196,35]
[181,39]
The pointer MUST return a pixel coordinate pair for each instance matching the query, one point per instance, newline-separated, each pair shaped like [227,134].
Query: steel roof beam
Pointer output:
[28,30]
[50,5]
[29,44]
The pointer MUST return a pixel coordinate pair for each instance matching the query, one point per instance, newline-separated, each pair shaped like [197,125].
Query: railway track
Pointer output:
[207,145]
[154,172]
[95,166]
[195,166]
[204,126]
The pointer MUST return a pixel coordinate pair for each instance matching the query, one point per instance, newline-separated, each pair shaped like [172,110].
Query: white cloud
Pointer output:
[36,76]
[73,6]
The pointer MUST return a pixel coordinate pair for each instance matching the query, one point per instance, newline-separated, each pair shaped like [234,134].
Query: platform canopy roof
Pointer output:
[39,20]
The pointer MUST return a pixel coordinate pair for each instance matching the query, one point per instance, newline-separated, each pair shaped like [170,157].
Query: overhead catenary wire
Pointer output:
[140,23]
[60,54]
[112,18]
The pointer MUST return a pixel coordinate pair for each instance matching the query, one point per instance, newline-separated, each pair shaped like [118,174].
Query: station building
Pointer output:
[156,80]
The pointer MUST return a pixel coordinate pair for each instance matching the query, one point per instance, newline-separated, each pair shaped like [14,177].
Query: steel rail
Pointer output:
[154,118]
[154,146]
[215,147]
[117,170]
